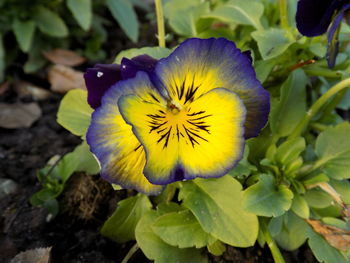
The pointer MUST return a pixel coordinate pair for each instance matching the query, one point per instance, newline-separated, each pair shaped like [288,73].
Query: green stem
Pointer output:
[317,106]
[276,253]
[283,8]
[320,72]
[160,23]
[130,253]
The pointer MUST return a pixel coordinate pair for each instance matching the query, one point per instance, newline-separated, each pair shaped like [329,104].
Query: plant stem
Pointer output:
[160,22]
[276,253]
[283,8]
[130,253]
[317,106]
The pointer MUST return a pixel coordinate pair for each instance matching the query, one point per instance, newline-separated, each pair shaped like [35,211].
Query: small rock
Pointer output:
[19,115]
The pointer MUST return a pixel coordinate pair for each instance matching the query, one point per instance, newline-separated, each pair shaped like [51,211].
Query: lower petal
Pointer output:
[205,139]
[111,139]
[219,137]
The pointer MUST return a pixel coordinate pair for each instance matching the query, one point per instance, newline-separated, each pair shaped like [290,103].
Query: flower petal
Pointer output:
[129,67]
[333,42]
[314,16]
[111,139]
[200,65]
[99,79]
[200,140]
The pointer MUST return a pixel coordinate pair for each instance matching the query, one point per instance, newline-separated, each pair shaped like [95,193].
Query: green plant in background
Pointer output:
[292,182]
[42,25]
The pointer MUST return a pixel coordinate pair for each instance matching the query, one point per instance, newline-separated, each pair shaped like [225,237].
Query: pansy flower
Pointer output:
[316,17]
[187,118]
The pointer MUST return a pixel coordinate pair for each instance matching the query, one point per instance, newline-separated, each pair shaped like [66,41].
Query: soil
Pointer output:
[74,233]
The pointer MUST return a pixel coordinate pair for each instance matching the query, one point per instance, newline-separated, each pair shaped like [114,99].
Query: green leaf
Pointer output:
[241,12]
[333,150]
[183,15]
[217,248]
[293,232]
[342,188]
[156,249]
[217,205]
[2,59]
[322,250]
[318,198]
[82,12]
[315,178]
[24,32]
[120,227]
[74,112]
[181,229]
[243,168]
[125,15]
[86,161]
[263,69]
[50,23]
[300,206]
[155,52]
[272,42]
[291,108]
[275,225]
[290,150]
[265,198]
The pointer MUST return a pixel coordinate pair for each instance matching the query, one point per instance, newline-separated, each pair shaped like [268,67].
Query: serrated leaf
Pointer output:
[272,42]
[291,108]
[265,198]
[300,206]
[82,12]
[323,251]
[24,32]
[124,14]
[293,232]
[50,23]
[120,227]
[74,112]
[217,205]
[155,52]
[181,229]
[333,150]
[241,12]
[156,249]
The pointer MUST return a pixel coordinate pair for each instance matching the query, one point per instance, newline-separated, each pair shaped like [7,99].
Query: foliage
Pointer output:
[296,169]
[42,25]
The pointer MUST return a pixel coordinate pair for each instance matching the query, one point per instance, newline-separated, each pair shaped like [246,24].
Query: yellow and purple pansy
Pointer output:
[182,117]
[316,17]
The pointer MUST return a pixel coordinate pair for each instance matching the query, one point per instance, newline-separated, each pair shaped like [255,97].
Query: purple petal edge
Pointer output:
[333,43]
[98,80]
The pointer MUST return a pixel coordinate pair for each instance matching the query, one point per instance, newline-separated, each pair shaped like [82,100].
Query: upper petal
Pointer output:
[313,17]
[200,65]
[98,80]
[129,67]
[102,76]
[111,139]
